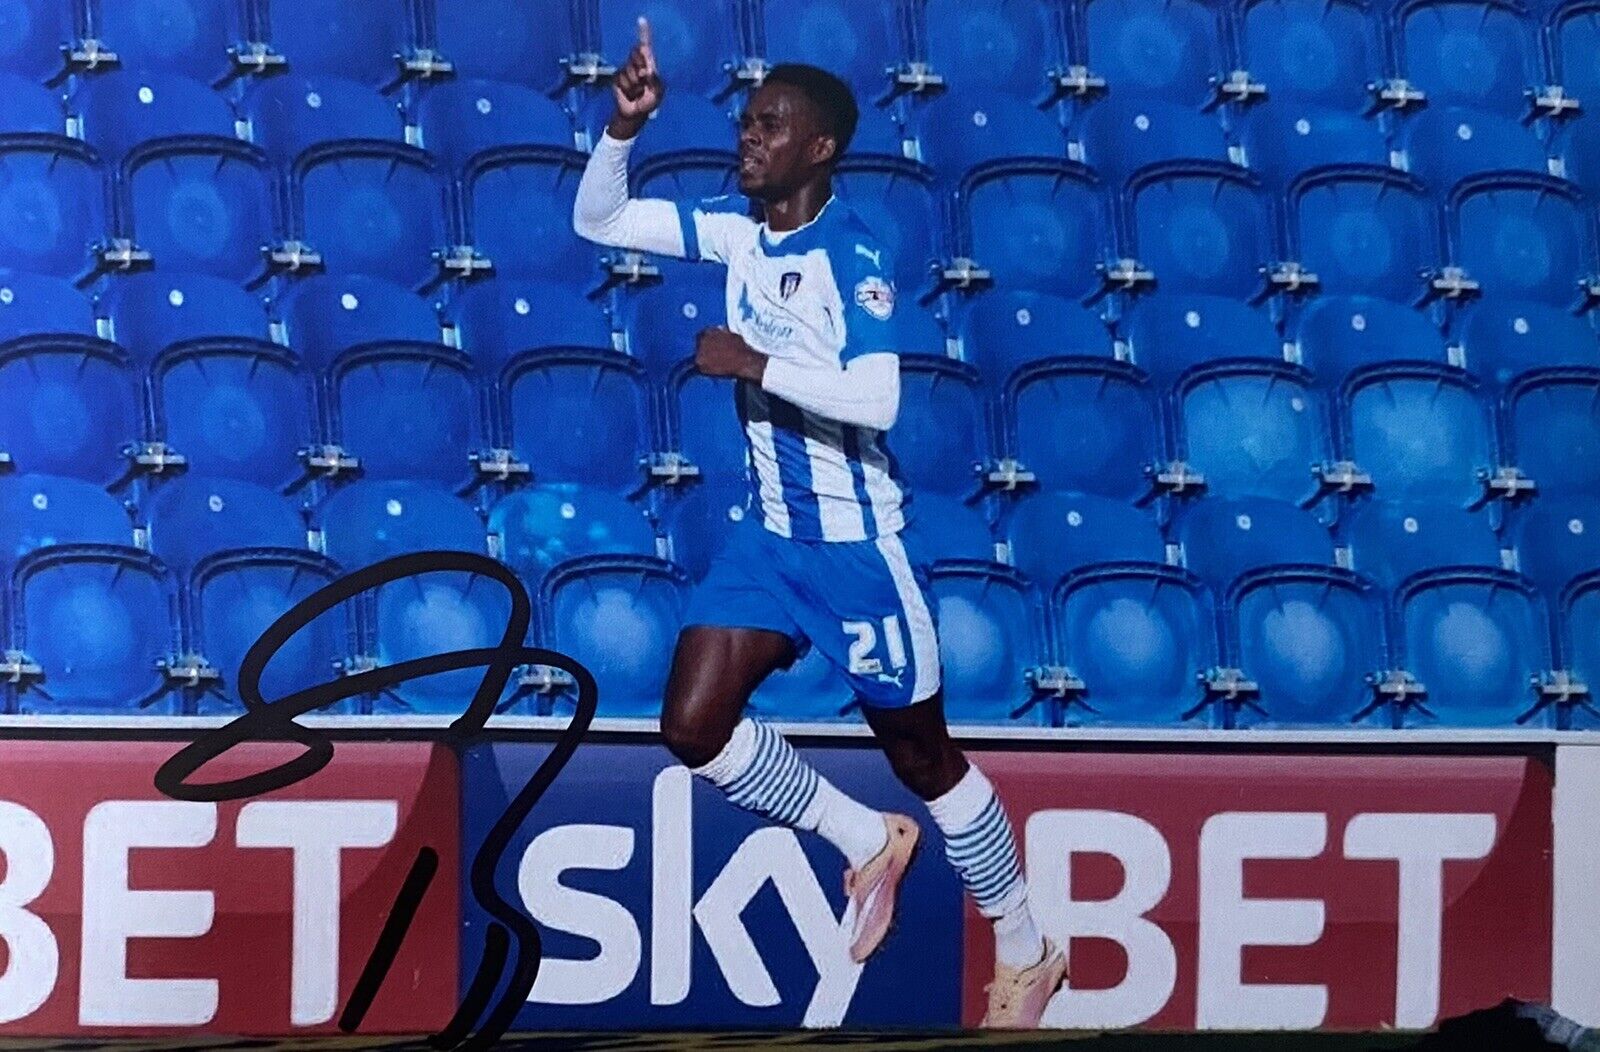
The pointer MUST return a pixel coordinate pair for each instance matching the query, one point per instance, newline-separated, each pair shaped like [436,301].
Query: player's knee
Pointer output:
[695,742]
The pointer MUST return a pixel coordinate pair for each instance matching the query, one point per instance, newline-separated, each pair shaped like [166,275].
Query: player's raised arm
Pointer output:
[603,212]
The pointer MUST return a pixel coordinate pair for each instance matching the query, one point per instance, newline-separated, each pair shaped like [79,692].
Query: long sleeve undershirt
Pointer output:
[864,393]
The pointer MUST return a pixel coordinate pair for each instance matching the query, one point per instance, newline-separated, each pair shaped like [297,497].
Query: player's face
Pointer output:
[778,135]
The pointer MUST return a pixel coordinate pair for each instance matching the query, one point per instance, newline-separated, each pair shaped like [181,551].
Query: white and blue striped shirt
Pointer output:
[819,295]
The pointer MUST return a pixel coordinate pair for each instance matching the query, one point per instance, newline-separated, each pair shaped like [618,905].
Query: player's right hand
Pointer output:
[637,88]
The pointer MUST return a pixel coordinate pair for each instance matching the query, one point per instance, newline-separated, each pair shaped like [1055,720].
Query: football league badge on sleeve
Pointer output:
[875,296]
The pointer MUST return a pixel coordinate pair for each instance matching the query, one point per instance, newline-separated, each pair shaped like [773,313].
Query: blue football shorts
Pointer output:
[866,605]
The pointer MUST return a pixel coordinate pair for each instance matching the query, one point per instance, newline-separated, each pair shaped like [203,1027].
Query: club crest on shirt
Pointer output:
[875,296]
[788,284]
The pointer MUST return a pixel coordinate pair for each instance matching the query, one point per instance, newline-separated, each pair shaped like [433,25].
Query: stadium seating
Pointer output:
[191,37]
[431,613]
[1476,53]
[32,37]
[346,293]
[860,42]
[287,115]
[1005,45]
[1310,52]
[506,40]
[74,397]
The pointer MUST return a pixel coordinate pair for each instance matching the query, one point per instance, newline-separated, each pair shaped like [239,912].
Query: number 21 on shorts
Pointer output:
[862,663]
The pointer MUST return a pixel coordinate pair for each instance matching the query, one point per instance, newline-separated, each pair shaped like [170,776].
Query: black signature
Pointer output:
[263,721]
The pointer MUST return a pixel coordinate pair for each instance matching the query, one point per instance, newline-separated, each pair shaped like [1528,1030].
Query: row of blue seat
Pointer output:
[528,379]
[1452,50]
[1264,628]
[212,204]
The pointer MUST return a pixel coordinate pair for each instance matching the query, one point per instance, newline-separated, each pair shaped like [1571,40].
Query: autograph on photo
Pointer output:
[275,722]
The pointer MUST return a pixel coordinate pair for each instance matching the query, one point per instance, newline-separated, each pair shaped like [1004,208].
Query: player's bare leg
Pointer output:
[980,845]
[714,671]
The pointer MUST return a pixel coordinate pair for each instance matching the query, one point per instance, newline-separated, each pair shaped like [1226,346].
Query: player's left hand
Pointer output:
[722,352]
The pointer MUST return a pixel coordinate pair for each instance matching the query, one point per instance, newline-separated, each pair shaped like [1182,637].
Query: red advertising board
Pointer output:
[1249,892]
[125,912]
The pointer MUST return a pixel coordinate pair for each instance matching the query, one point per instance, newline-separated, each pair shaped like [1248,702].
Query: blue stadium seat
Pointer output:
[234,403]
[202,205]
[189,37]
[577,415]
[1421,431]
[1223,539]
[1391,541]
[46,511]
[1366,230]
[894,198]
[1054,534]
[74,398]
[879,133]
[289,114]
[462,118]
[1504,339]
[618,616]
[1552,419]
[327,315]
[234,596]
[32,33]
[1089,424]
[1574,40]
[944,528]
[859,42]
[990,637]
[498,319]
[1122,135]
[1004,331]
[1557,540]
[812,690]
[373,208]
[123,110]
[1032,218]
[509,40]
[662,321]
[1139,636]
[55,197]
[97,618]
[917,333]
[367,41]
[1576,145]
[1482,54]
[1312,52]
[1253,428]
[685,153]
[963,131]
[193,517]
[369,521]
[1523,236]
[1308,637]
[696,41]
[1446,144]
[517,209]
[1005,45]
[543,526]
[699,522]
[938,440]
[1170,51]
[1478,639]
[1202,228]
[28,109]
[1284,140]
[704,423]
[149,313]
[1338,334]
[408,406]
[1168,334]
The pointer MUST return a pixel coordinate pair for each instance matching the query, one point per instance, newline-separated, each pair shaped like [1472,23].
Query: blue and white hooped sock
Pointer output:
[761,772]
[979,843]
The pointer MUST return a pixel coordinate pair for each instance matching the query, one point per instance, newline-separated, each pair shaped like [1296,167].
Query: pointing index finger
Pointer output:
[644,31]
[645,48]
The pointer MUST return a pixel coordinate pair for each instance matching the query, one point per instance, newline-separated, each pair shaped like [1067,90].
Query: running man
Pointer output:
[817,382]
